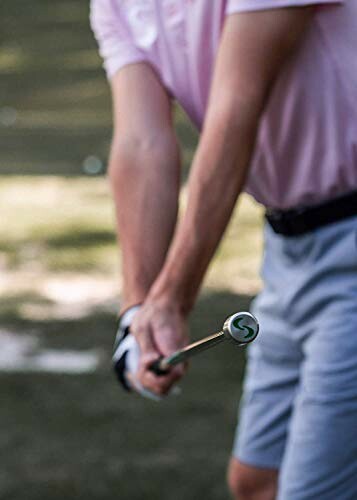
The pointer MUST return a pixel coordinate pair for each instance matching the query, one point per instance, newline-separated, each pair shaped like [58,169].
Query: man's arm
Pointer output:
[144,172]
[253,49]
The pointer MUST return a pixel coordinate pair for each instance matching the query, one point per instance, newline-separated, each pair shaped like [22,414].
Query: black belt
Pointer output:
[305,219]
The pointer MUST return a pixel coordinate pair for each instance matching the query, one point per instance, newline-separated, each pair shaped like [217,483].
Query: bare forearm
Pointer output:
[142,184]
[218,174]
[239,93]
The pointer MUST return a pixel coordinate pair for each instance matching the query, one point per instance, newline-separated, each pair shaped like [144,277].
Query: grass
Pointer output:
[77,437]
[80,438]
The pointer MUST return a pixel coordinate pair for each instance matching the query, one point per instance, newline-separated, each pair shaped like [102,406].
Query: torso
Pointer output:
[306,149]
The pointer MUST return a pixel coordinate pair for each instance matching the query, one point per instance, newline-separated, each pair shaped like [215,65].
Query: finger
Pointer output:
[160,368]
[159,384]
[163,382]
[173,372]
[145,375]
[140,389]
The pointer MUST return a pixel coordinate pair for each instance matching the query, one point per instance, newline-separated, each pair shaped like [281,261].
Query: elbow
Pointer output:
[132,155]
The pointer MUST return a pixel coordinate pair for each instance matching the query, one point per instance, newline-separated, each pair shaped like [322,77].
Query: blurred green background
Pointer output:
[66,430]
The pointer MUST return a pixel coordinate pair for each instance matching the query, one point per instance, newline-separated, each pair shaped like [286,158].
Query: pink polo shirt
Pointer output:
[306,149]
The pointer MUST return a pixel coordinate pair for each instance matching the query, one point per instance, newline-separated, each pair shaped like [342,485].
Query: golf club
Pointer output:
[241,328]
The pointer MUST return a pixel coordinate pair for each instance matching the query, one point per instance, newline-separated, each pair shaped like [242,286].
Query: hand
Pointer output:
[160,329]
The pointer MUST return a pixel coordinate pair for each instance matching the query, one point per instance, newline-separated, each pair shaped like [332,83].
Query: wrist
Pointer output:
[171,295]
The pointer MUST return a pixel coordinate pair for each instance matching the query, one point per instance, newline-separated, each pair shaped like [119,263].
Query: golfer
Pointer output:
[272,87]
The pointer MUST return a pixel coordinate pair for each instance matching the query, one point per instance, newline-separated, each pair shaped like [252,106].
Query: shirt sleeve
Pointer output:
[234,6]
[116,44]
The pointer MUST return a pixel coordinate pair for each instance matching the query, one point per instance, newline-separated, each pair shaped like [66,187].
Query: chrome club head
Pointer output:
[241,327]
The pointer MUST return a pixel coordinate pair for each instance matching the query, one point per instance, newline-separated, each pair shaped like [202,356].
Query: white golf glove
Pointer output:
[126,356]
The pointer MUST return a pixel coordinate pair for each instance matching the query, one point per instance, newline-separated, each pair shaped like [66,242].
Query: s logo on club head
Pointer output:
[250,331]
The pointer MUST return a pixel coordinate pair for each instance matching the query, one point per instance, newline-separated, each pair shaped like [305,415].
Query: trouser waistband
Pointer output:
[302,220]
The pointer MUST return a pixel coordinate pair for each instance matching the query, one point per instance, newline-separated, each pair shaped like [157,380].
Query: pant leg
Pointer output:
[272,377]
[273,366]
[320,459]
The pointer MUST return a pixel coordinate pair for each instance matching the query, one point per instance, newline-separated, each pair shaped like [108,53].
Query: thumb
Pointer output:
[148,349]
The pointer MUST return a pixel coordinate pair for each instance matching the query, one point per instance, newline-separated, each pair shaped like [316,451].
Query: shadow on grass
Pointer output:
[83,438]
[10,307]
[75,237]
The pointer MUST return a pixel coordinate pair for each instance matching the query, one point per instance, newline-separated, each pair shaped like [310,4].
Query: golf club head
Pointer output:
[241,327]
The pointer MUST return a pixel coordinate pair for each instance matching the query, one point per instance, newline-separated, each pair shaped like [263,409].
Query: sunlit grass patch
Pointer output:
[68,224]
[10,303]
[56,226]
[81,260]
[44,207]
[59,257]
[237,261]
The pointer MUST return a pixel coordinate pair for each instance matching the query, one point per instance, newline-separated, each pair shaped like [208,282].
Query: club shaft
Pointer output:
[191,350]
